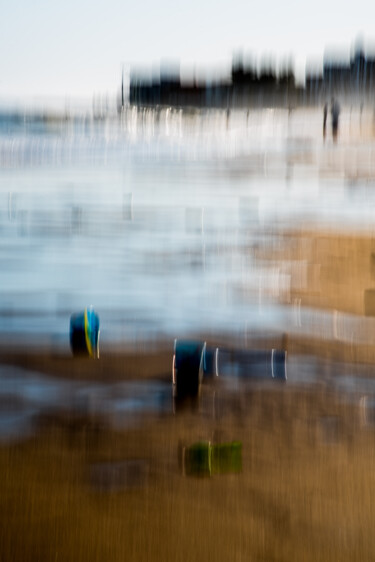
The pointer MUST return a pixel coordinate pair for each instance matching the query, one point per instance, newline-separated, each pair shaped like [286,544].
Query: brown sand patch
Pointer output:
[304,493]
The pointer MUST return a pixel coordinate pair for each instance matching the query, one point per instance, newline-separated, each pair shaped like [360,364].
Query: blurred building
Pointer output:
[245,87]
[351,80]
[249,86]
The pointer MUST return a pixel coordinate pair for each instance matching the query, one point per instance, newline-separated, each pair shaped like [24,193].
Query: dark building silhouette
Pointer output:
[351,80]
[245,87]
[249,87]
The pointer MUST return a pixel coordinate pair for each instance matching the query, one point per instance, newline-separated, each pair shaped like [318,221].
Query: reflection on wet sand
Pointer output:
[124,399]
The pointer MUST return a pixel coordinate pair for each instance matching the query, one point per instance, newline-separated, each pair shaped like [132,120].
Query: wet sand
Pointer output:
[79,490]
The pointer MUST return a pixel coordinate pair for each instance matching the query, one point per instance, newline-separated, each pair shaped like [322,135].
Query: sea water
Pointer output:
[154,217]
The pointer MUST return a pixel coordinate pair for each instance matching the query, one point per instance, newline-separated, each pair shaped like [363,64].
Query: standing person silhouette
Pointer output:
[335,112]
[325,111]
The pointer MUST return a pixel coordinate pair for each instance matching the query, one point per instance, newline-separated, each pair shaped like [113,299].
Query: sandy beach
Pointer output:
[305,485]
[99,470]
[79,489]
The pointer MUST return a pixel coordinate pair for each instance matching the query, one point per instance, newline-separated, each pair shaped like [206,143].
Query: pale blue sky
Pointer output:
[76,47]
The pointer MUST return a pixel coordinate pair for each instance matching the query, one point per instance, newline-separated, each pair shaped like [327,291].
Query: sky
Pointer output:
[78,48]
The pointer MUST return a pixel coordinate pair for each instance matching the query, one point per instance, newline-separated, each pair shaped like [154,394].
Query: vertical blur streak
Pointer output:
[171,221]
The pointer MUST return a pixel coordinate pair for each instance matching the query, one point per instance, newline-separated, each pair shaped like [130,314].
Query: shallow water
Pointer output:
[26,395]
[152,219]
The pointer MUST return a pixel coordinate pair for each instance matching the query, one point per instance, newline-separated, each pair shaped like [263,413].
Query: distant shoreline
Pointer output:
[27,114]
